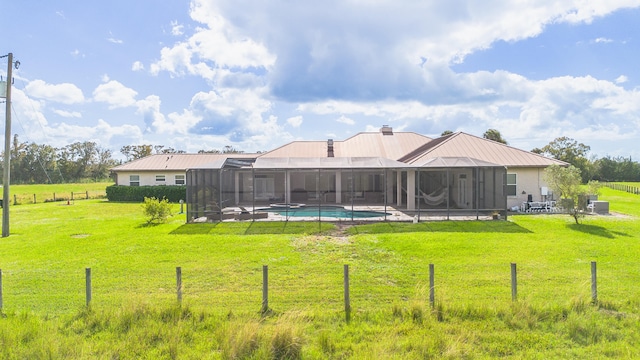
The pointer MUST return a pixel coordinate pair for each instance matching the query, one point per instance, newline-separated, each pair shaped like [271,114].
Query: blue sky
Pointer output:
[204,74]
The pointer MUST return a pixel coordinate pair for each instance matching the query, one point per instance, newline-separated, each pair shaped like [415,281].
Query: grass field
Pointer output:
[29,194]
[134,311]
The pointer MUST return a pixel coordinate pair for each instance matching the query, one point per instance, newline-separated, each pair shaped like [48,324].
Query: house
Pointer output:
[454,174]
[458,173]
[164,169]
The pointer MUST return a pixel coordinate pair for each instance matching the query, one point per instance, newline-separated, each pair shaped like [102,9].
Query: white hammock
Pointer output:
[435,198]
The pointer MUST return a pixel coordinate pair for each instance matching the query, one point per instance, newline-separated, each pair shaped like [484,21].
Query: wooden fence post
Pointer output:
[347,301]
[87,275]
[514,282]
[34,198]
[265,289]
[432,295]
[54,197]
[87,193]
[594,283]
[179,283]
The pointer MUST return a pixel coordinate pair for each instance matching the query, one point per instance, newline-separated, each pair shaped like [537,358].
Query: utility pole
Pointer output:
[7,150]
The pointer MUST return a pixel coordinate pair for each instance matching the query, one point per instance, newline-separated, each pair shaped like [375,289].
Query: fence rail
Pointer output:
[27,198]
[264,307]
[622,187]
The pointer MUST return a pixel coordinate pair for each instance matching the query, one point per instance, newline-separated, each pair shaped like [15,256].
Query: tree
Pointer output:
[572,152]
[566,183]
[133,152]
[446,132]
[493,134]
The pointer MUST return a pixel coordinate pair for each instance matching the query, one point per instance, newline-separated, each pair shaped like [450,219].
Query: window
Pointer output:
[134,180]
[159,178]
[179,179]
[512,181]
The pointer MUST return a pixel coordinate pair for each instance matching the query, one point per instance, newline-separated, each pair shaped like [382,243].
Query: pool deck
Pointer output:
[395,215]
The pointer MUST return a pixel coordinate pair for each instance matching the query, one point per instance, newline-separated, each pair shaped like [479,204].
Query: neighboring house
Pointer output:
[165,169]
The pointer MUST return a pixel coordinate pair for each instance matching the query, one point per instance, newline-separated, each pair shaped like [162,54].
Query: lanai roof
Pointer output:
[328,163]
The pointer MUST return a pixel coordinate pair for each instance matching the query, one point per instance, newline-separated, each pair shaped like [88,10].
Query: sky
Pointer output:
[255,75]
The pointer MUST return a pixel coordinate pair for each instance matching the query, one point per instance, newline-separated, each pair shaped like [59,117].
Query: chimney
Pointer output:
[386,130]
[330,148]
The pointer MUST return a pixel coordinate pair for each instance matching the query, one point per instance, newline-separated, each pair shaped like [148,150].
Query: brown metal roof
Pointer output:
[177,162]
[464,145]
[369,144]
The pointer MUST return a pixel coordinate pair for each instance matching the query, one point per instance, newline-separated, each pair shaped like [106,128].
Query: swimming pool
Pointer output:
[324,211]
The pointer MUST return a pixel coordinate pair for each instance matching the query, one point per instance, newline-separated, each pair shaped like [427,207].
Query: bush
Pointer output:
[156,211]
[173,193]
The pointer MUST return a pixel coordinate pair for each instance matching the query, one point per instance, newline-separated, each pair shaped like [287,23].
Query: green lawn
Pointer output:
[134,312]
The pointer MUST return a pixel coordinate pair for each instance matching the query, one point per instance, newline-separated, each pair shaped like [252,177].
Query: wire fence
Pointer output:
[623,187]
[34,198]
[338,289]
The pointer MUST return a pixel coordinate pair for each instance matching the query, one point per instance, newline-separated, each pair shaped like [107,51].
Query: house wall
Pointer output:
[530,181]
[148,178]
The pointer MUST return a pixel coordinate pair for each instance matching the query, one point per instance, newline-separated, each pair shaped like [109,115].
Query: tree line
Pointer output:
[33,163]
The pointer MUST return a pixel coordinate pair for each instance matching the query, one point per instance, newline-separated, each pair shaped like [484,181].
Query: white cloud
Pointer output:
[295,121]
[113,40]
[602,40]
[63,93]
[621,79]
[176,29]
[68,114]
[76,53]
[115,94]
[137,66]
[345,120]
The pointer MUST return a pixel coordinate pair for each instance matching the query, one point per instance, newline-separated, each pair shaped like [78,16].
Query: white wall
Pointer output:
[149,178]
[529,180]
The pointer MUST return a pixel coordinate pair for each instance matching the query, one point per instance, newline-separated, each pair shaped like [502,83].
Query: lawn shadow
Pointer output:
[254,228]
[597,231]
[474,226]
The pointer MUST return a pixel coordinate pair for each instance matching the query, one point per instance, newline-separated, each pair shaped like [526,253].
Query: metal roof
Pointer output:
[367,144]
[328,163]
[177,162]
[464,145]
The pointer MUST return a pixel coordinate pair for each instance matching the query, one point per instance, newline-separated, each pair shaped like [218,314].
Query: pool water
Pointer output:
[324,211]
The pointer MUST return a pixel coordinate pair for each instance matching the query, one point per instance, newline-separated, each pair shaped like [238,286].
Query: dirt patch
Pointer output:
[80,236]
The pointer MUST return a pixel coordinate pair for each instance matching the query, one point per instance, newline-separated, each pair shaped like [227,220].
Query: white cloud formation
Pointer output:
[345,120]
[115,94]
[176,29]
[68,114]
[295,121]
[137,66]
[621,79]
[63,93]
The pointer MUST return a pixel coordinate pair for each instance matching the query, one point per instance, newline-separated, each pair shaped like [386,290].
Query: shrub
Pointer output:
[173,193]
[156,211]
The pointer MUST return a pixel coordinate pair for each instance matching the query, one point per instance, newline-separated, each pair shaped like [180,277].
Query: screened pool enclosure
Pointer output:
[344,189]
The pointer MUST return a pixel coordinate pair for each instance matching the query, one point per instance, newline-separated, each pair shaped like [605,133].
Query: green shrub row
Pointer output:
[173,193]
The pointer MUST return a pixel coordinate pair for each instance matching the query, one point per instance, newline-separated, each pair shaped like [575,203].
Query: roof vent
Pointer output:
[330,148]
[386,130]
